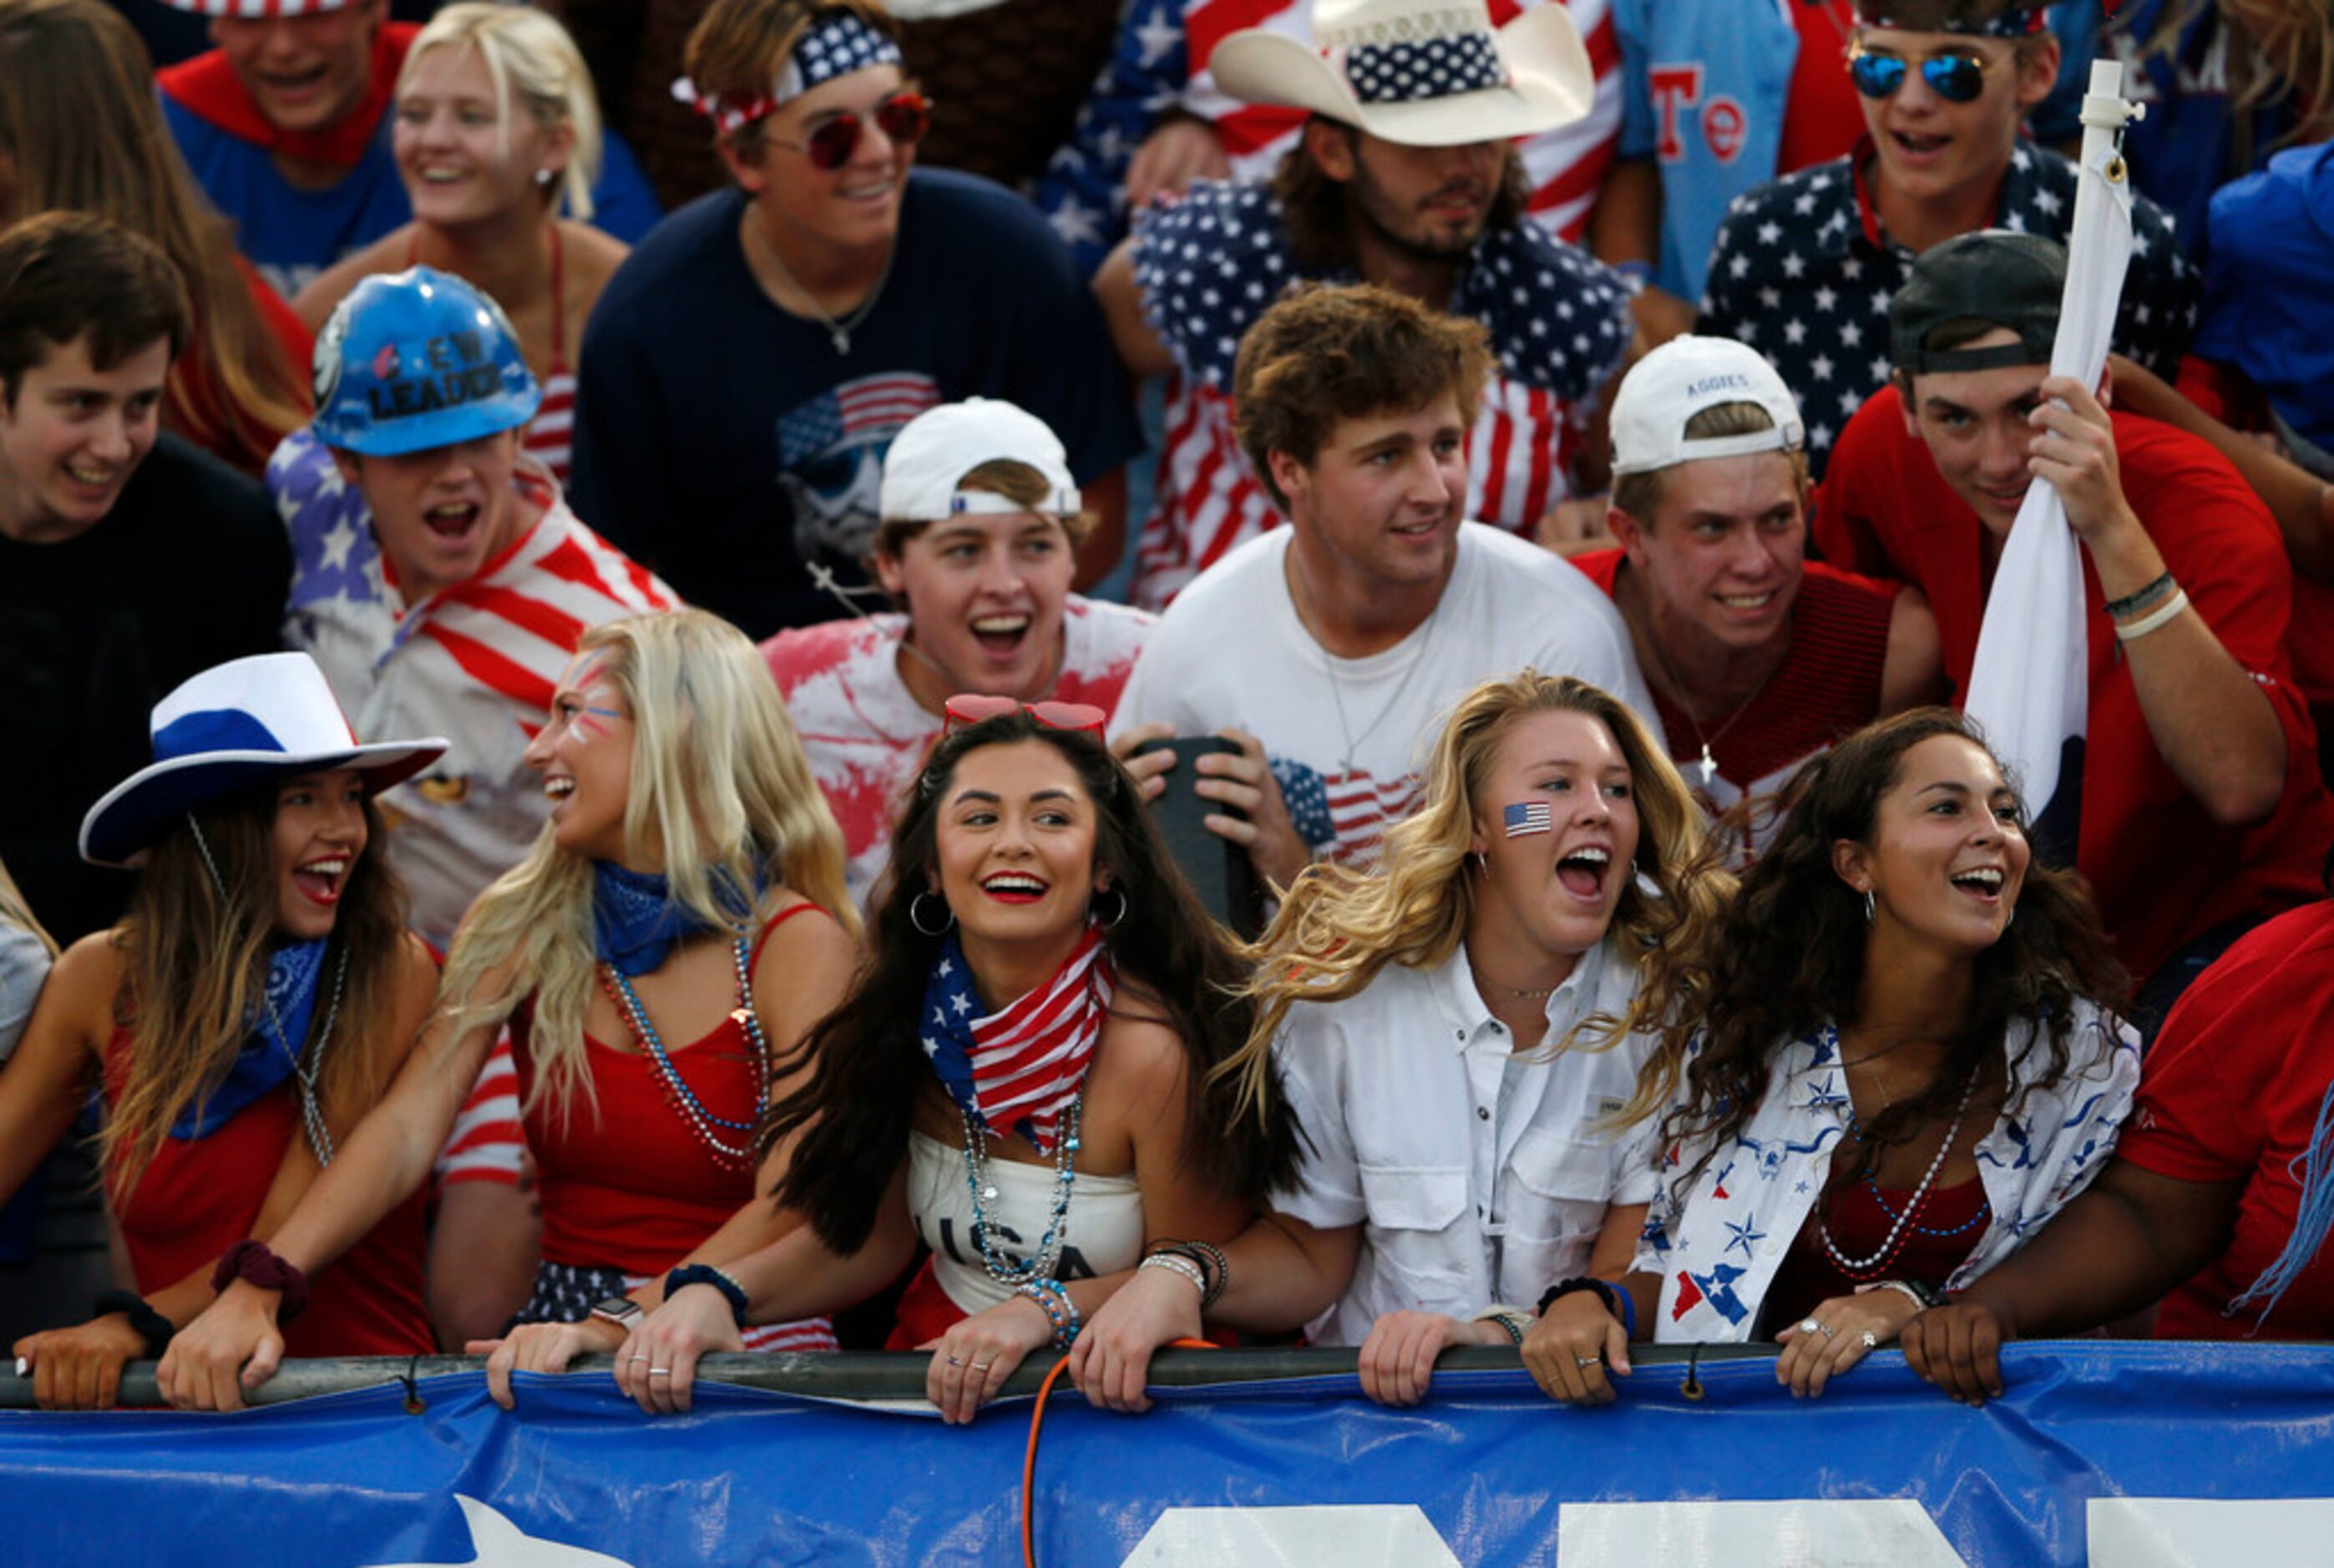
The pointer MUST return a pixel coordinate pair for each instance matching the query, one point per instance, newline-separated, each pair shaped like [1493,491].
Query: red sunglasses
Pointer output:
[903,118]
[972,707]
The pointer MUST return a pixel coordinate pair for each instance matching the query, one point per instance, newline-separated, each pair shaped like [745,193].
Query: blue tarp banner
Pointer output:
[2104,1452]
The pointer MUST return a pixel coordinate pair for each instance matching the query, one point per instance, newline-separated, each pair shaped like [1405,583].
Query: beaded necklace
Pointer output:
[312,1114]
[738,1156]
[1040,1264]
[1866,1269]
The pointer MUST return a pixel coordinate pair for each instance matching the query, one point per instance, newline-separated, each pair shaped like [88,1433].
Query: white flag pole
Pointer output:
[2030,684]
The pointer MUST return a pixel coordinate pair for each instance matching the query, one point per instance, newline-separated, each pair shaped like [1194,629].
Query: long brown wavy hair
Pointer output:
[1318,212]
[1789,956]
[1337,928]
[195,971]
[858,1103]
[82,129]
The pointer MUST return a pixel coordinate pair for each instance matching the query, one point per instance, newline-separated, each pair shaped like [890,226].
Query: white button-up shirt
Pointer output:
[1717,1245]
[1464,1197]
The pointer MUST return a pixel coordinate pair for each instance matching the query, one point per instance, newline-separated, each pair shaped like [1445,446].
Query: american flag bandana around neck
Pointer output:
[1018,1069]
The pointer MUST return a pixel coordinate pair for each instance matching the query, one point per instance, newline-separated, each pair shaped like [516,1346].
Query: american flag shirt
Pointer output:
[476,663]
[1160,62]
[1803,273]
[1232,652]
[1209,265]
[1718,1245]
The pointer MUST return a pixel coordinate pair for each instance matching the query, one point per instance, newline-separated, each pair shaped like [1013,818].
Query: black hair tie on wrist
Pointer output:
[706,1274]
[151,1325]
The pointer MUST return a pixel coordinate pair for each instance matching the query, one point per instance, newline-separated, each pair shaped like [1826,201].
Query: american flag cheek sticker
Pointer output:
[1530,817]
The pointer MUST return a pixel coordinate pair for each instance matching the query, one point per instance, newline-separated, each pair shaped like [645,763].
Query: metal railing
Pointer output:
[868,1375]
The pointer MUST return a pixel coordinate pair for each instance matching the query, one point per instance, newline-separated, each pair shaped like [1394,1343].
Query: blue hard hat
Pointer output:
[418,360]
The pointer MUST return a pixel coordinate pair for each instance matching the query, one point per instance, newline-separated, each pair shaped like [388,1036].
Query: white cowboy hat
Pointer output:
[1418,73]
[235,725]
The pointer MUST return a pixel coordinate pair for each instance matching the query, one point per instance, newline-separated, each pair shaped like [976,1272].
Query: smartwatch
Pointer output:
[619,1309]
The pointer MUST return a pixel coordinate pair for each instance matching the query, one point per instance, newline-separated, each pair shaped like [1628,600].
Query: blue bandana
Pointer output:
[261,1062]
[635,920]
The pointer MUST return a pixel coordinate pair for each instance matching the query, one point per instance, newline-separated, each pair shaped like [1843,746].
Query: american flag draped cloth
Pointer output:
[1018,1069]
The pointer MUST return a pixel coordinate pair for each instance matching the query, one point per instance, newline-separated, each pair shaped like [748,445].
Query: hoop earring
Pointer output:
[1112,923]
[1871,908]
[915,913]
[1482,861]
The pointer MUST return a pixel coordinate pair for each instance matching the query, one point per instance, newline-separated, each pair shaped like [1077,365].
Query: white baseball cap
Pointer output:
[1666,388]
[935,450]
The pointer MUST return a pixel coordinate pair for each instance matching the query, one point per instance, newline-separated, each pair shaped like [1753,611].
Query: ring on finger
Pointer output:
[1810,1326]
[659,1372]
[1868,1339]
[638,1359]
[1588,1361]
[982,1366]
[956,1360]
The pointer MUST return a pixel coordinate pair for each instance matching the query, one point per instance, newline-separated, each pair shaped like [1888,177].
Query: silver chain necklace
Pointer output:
[1336,687]
[838,328]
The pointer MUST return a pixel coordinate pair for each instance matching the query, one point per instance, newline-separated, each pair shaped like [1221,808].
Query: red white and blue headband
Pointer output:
[2015,21]
[836,44]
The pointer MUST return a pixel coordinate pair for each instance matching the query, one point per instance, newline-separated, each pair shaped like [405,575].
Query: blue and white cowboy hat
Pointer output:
[235,725]
[1418,72]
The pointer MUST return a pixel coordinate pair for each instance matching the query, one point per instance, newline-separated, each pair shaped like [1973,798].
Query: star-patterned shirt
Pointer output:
[1718,1245]
[1803,273]
[1211,265]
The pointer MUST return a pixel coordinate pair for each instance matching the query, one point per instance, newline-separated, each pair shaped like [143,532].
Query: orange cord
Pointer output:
[1029,1458]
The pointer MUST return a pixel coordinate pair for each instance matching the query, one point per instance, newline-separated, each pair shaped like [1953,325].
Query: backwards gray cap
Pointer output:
[2010,279]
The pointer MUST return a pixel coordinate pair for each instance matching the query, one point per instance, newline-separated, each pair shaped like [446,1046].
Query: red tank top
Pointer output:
[1941,1236]
[623,1180]
[199,1197]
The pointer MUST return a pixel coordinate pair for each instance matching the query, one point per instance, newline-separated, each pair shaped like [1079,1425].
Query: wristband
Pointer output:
[150,1324]
[690,1274]
[1215,1270]
[2133,603]
[2154,620]
[1636,274]
[253,1263]
[1919,1291]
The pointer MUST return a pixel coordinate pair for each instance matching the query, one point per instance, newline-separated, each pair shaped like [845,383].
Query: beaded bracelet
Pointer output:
[1176,1263]
[1620,1303]
[254,1262]
[1215,1270]
[706,1274]
[149,1324]
[1060,1309]
[1515,1320]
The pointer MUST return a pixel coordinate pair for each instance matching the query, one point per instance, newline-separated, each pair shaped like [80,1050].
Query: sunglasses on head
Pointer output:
[1956,75]
[971,708]
[903,118]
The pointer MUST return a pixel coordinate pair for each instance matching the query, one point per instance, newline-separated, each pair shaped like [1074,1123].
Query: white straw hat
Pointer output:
[1418,73]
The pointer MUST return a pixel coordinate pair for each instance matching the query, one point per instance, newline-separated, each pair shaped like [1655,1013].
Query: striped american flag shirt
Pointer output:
[476,663]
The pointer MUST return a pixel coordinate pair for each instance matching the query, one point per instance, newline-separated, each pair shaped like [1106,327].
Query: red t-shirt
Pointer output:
[2232,1092]
[199,1197]
[1883,509]
[1823,116]
[1828,687]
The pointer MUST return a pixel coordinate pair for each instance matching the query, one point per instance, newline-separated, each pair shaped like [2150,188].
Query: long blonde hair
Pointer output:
[1337,928]
[15,912]
[719,781]
[82,129]
[525,50]
[195,947]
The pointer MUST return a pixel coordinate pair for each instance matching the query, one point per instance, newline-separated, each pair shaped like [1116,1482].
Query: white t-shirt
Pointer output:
[1464,1199]
[476,663]
[865,733]
[1347,737]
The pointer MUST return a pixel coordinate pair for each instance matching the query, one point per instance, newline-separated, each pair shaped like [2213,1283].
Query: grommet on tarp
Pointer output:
[1692,1388]
[2116,171]
[413,1401]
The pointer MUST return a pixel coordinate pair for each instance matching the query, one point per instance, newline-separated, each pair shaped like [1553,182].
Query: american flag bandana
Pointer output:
[1020,1068]
[1532,817]
[835,45]
[2013,21]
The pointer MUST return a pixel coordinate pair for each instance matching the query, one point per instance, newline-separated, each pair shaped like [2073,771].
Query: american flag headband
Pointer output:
[836,45]
[1409,63]
[2017,22]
